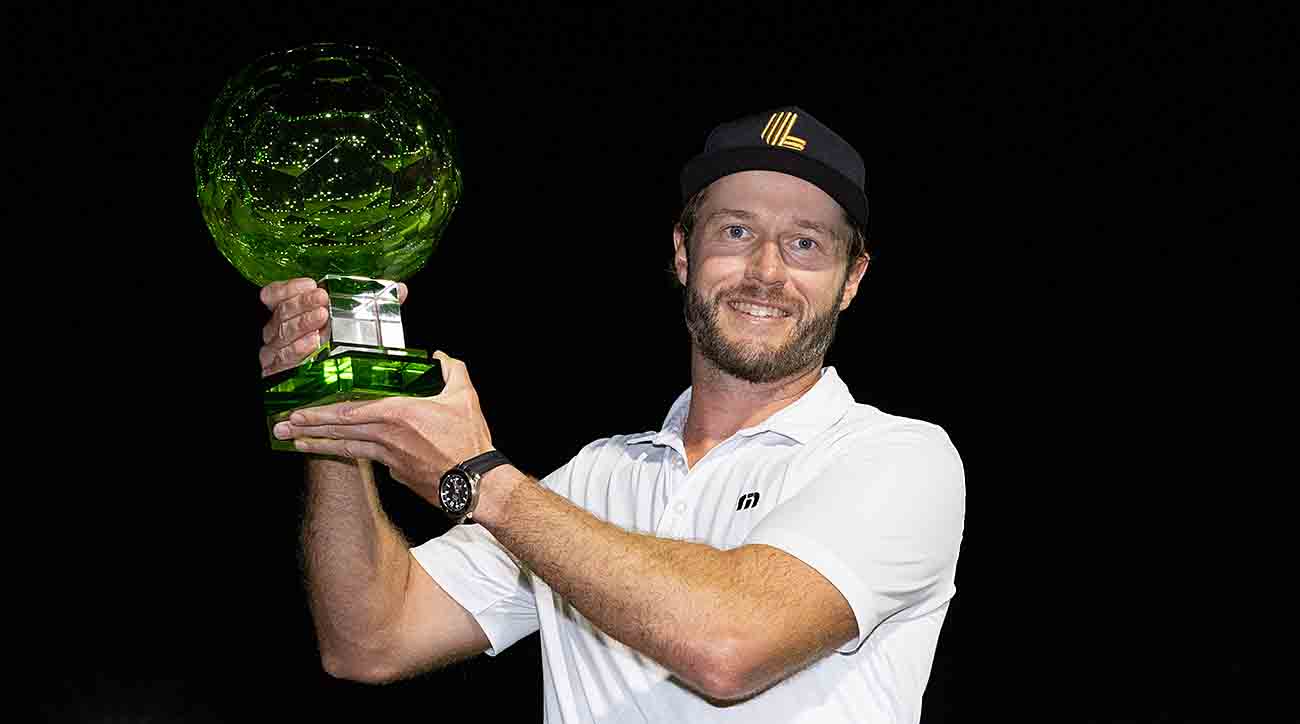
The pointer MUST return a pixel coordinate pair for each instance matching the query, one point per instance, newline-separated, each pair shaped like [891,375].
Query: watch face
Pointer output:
[455,492]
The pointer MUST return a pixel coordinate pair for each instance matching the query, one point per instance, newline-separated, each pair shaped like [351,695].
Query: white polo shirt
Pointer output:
[874,502]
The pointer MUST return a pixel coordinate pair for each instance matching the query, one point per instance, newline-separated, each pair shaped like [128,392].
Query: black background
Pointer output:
[1065,237]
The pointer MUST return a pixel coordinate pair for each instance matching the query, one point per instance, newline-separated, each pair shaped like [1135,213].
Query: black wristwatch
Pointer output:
[458,488]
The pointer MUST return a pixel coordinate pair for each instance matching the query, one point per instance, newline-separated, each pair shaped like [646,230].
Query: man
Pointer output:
[776,553]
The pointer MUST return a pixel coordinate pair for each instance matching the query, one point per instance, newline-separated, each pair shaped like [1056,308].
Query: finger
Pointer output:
[299,304]
[288,327]
[352,449]
[454,373]
[356,412]
[274,359]
[368,432]
[276,292]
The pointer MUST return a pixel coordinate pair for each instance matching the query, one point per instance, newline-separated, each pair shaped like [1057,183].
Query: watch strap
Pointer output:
[481,464]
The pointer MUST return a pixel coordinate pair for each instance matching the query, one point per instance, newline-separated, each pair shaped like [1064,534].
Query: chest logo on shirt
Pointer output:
[748,500]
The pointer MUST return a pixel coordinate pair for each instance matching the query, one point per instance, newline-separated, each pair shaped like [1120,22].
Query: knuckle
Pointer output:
[286,309]
[389,414]
[300,328]
[316,319]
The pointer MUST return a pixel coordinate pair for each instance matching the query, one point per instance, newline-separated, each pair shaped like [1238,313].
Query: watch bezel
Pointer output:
[471,479]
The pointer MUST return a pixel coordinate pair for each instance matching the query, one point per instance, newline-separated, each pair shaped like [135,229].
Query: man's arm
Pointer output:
[378,615]
[728,623]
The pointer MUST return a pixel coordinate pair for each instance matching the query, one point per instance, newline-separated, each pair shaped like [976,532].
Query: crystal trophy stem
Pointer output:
[363,356]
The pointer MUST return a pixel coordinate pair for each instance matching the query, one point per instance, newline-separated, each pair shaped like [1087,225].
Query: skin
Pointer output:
[765,238]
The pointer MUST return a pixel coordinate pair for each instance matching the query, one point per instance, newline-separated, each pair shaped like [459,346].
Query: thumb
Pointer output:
[454,373]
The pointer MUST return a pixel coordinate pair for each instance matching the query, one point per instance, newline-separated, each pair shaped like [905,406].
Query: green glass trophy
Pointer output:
[334,162]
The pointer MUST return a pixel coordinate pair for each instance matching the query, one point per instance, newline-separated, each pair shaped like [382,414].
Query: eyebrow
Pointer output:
[815,226]
[801,223]
[737,213]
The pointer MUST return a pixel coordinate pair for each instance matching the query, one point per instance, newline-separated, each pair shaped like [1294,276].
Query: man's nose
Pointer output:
[766,265]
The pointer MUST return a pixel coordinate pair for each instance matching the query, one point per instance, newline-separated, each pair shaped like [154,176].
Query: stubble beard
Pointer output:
[804,348]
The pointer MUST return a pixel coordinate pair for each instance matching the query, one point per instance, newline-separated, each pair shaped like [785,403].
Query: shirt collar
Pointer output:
[809,416]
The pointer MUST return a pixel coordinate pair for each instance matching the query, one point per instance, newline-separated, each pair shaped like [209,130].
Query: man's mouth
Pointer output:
[758,310]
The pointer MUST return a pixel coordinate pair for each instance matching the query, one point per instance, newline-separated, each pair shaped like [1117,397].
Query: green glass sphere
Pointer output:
[327,159]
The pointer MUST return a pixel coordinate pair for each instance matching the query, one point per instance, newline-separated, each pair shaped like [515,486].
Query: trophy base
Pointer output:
[338,373]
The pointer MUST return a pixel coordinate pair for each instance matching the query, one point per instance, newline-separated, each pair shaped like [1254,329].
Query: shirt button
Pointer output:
[680,507]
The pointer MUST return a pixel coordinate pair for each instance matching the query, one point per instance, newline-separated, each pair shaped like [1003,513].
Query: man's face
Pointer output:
[765,277]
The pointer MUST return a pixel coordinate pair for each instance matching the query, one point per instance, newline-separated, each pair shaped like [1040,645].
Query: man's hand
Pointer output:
[418,438]
[298,317]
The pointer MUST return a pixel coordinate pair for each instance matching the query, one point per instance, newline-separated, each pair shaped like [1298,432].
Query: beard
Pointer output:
[757,362]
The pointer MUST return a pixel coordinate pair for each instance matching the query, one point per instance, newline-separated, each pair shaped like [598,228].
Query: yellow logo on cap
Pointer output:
[777,131]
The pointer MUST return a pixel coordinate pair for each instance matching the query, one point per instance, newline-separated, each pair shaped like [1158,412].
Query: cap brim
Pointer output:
[706,168]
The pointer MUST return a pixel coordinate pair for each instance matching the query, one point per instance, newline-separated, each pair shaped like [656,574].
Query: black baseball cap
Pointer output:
[788,140]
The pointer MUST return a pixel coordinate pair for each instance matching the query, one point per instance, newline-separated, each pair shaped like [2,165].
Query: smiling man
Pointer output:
[789,297]
[776,552]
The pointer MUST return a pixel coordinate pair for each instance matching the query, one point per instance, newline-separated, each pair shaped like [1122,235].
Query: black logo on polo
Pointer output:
[748,500]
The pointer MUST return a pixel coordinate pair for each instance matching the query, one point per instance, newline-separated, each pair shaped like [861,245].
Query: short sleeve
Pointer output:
[486,579]
[881,518]
[481,575]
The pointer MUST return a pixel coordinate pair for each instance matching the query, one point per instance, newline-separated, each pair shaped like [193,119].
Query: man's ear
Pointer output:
[856,271]
[680,262]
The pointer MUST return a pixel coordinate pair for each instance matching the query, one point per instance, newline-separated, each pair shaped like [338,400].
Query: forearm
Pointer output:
[728,623]
[686,605]
[356,562]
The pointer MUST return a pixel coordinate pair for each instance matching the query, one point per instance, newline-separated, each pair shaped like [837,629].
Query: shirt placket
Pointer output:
[673,521]
[683,492]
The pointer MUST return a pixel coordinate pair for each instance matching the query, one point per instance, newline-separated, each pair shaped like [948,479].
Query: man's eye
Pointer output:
[734,232]
[805,244]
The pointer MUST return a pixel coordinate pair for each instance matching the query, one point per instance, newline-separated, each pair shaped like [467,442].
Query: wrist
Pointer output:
[496,488]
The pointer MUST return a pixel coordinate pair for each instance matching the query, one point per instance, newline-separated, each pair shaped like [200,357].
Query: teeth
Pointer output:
[756,310]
